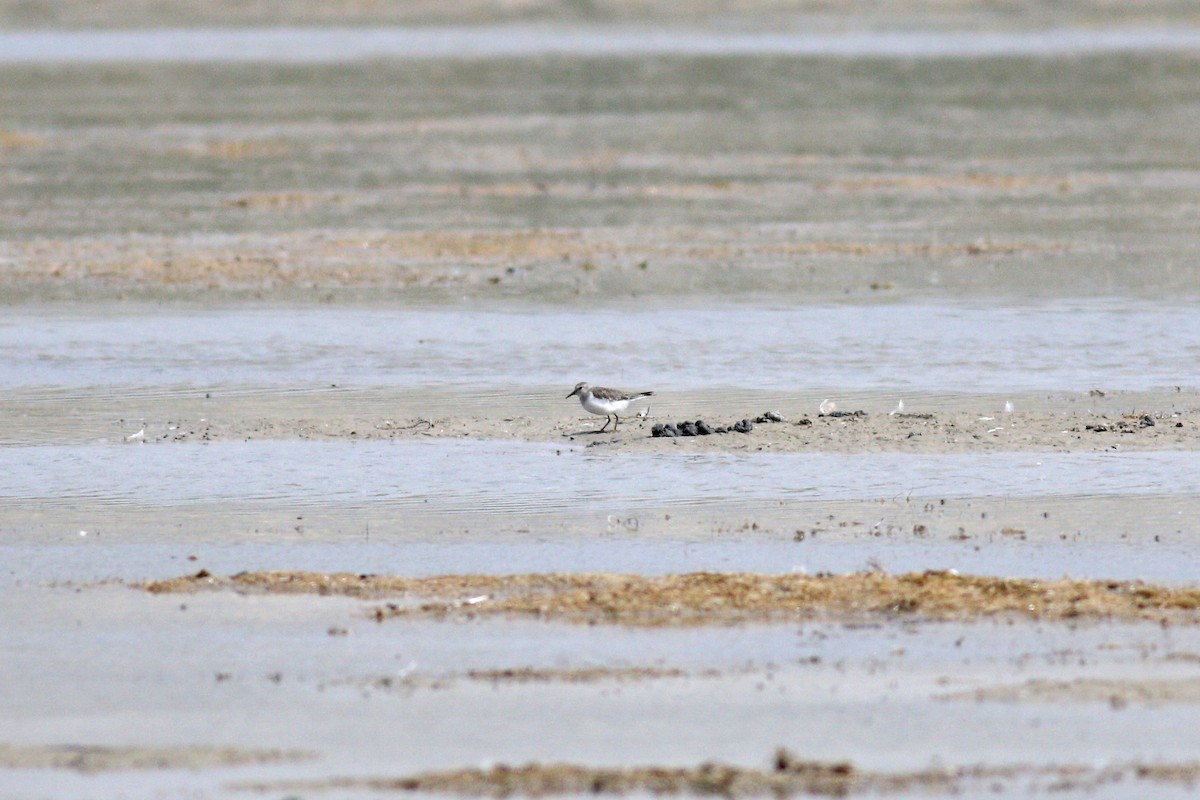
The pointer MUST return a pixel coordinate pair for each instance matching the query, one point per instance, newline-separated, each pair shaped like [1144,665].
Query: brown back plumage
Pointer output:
[602,393]
[616,394]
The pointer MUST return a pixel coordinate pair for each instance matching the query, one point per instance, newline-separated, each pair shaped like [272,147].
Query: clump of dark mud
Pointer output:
[672,430]
[1127,425]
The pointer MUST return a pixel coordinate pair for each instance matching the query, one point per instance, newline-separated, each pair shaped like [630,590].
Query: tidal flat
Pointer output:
[310,322]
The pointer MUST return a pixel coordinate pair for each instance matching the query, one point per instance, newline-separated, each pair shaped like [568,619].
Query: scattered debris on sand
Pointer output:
[508,676]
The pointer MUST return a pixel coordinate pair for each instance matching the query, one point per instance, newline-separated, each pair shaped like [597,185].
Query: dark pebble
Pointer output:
[687,429]
[770,416]
[703,428]
[745,426]
[660,430]
[836,414]
[1147,421]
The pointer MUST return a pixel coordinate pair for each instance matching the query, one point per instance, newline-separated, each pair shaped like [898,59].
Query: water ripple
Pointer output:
[488,476]
[334,44]
[902,348]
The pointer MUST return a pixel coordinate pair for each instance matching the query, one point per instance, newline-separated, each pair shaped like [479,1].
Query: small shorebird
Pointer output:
[608,402]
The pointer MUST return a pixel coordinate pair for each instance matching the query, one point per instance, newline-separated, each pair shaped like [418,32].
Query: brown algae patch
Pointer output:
[1117,693]
[239,149]
[968,181]
[17,140]
[786,777]
[721,598]
[980,247]
[275,201]
[90,758]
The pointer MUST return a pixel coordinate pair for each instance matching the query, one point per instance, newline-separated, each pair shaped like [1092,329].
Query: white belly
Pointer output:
[603,407]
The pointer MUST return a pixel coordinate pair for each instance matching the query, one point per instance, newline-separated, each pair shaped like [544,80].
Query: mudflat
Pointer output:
[293,501]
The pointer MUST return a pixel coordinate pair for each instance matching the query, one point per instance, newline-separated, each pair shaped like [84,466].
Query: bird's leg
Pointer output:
[606,421]
[617,423]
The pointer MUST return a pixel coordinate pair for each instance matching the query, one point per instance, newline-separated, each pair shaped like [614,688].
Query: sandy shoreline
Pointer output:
[906,433]
[864,422]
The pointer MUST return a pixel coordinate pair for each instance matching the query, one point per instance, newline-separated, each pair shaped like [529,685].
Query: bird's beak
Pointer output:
[572,394]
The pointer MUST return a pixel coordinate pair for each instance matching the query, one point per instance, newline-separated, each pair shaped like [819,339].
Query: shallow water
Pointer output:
[902,348]
[341,44]
[85,559]
[521,477]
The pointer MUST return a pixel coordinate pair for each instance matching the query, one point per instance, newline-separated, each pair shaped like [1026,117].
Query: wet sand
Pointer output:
[449,693]
[568,181]
[287,344]
[920,432]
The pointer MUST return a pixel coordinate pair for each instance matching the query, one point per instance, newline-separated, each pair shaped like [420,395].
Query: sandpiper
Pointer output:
[608,402]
